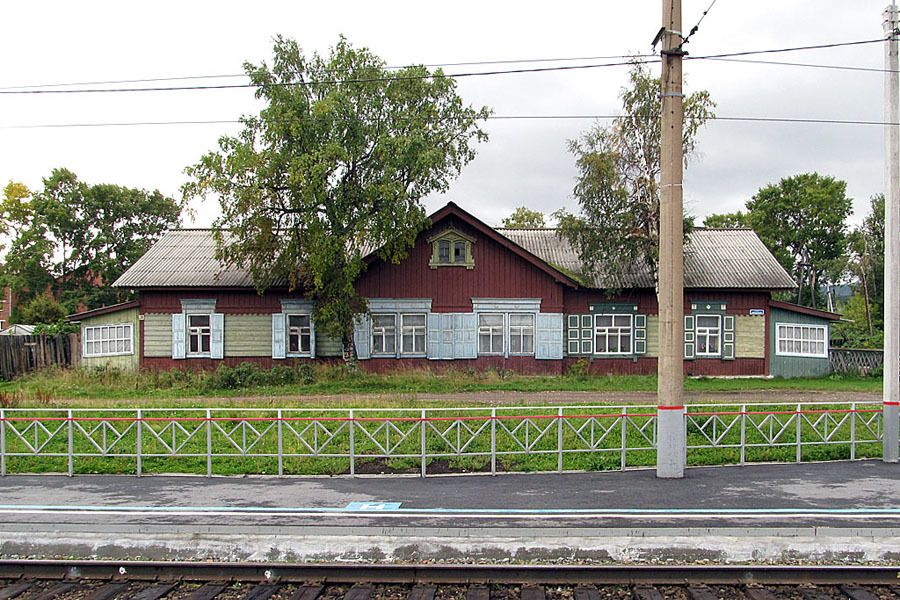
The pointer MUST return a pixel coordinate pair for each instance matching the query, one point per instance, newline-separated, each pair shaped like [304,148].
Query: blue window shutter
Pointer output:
[433,336]
[362,336]
[278,336]
[217,331]
[465,335]
[728,337]
[548,336]
[689,339]
[312,337]
[447,336]
[178,335]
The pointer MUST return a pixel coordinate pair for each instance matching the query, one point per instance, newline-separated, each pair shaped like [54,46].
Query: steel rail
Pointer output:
[450,573]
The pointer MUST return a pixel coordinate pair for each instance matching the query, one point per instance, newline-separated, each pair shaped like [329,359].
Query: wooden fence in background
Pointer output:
[855,360]
[21,354]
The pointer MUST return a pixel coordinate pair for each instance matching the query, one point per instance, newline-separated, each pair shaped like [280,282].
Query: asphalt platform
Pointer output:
[825,512]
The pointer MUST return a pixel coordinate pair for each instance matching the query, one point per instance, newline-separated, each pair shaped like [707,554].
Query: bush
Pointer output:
[579,368]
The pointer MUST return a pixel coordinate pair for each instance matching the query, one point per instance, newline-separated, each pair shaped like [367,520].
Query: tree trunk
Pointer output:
[349,351]
[865,283]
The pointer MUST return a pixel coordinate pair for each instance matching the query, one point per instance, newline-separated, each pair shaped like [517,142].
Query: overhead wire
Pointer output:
[644,59]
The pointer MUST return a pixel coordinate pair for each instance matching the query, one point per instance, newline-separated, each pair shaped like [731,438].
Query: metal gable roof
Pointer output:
[714,258]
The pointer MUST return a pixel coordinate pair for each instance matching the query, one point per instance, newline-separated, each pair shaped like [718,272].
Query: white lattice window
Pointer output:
[521,333]
[412,333]
[490,333]
[709,335]
[795,339]
[199,331]
[613,334]
[108,340]
[384,334]
[299,334]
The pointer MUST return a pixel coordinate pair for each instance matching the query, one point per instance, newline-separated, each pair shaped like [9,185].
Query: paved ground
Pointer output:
[841,511]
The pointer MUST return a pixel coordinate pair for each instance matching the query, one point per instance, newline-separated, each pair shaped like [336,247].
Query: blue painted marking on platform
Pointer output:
[394,507]
[373,506]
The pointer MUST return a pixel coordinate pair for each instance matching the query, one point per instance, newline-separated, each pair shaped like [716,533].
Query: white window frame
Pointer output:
[378,350]
[614,331]
[415,331]
[287,335]
[801,326]
[94,329]
[199,332]
[522,334]
[707,332]
[490,331]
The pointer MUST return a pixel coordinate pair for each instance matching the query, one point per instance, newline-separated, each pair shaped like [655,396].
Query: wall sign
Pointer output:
[757,312]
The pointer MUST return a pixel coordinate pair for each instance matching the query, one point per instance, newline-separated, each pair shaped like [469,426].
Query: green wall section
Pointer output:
[129,362]
[795,366]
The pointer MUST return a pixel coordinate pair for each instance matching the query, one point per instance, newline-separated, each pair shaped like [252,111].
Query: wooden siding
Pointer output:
[498,273]
[227,301]
[157,332]
[127,362]
[647,366]
[652,335]
[795,366]
[247,335]
[749,337]
[328,346]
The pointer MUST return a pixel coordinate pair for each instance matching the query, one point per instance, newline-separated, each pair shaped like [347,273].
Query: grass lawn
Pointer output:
[335,386]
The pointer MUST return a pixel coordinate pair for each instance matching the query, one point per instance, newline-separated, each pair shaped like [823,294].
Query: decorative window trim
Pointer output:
[94,329]
[707,333]
[187,336]
[287,336]
[778,339]
[630,328]
[522,334]
[452,236]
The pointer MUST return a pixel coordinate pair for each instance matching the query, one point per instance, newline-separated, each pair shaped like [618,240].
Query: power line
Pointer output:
[799,64]
[696,27]
[492,117]
[644,59]
[391,68]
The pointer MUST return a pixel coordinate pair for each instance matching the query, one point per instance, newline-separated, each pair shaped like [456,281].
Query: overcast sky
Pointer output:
[524,163]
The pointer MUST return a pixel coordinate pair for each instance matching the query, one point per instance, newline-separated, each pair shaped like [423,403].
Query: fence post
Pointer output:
[280,445]
[139,468]
[623,461]
[208,443]
[852,430]
[2,443]
[493,441]
[352,446]
[743,433]
[559,439]
[71,444]
[799,434]
[422,427]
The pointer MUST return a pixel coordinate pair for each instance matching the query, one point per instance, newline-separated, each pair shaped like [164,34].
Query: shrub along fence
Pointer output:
[21,354]
[422,441]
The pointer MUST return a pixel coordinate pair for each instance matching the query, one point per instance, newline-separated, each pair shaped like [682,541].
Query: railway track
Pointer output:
[102,580]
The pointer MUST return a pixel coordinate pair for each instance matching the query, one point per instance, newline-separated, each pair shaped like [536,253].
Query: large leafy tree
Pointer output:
[737,219]
[334,167]
[73,239]
[525,218]
[865,266]
[617,188]
[802,220]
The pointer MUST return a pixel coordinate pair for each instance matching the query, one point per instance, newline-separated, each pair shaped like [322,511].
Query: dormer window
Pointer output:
[452,248]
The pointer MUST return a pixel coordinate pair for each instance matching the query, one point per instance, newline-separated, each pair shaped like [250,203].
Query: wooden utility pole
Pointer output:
[891,398]
[671,441]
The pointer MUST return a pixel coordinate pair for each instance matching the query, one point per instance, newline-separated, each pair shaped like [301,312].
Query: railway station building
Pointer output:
[468,296]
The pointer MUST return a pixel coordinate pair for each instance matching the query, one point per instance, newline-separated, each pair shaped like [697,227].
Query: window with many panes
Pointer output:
[521,333]
[299,334]
[451,248]
[612,334]
[412,333]
[801,340]
[108,340]
[199,334]
[384,334]
[490,333]
[708,330]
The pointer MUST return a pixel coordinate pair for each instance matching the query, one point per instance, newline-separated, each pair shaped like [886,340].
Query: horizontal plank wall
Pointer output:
[247,335]
[128,362]
[497,273]
[795,366]
[750,337]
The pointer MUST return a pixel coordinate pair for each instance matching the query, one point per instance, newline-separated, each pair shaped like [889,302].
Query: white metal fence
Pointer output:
[422,441]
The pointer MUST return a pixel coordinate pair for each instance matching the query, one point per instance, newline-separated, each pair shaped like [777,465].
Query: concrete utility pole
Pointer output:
[671,440]
[891,407]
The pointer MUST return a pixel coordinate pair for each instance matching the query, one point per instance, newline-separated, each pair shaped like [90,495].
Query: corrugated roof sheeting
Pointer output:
[714,258]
